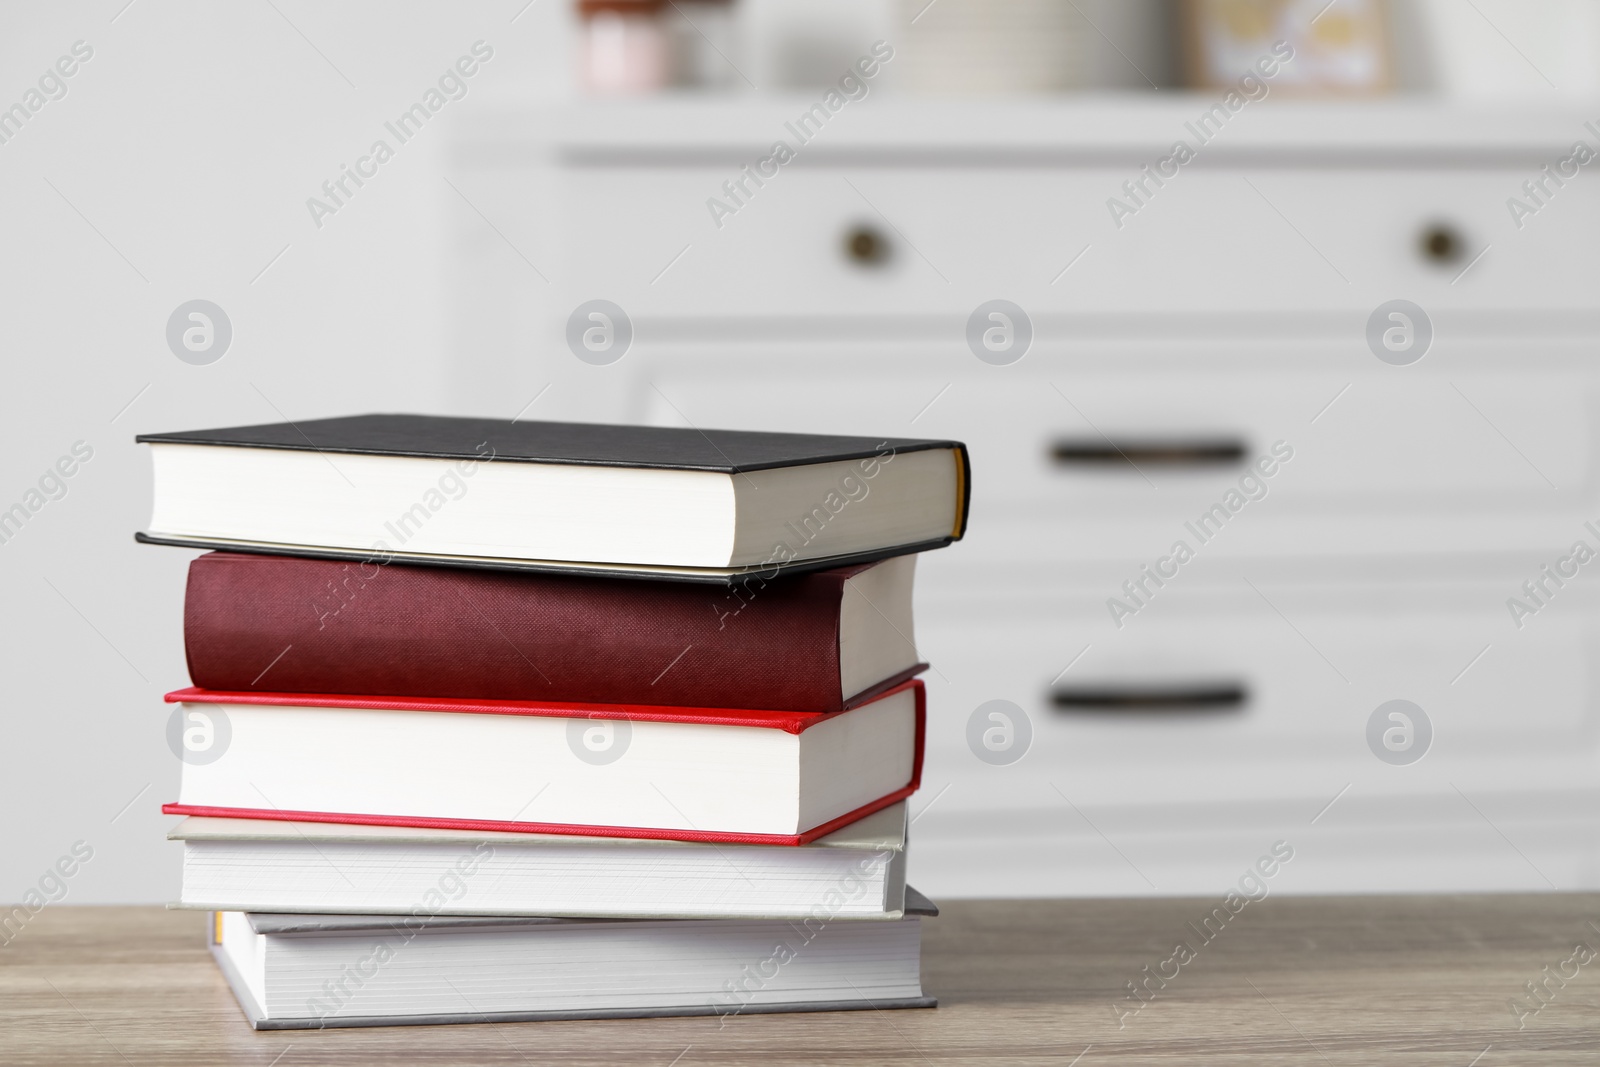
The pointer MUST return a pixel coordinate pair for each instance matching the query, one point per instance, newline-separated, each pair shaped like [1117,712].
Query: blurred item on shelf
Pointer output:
[624,44]
[1338,47]
[806,45]
[995,46]
[702,36]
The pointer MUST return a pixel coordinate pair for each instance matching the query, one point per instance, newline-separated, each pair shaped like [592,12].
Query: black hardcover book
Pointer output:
[710,505]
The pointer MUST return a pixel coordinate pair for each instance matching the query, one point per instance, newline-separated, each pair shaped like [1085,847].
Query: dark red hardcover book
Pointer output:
[286,624]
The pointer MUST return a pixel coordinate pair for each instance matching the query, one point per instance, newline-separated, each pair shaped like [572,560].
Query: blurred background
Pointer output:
[1305,287]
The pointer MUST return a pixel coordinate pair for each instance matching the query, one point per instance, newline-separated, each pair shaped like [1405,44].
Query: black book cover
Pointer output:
[582,443]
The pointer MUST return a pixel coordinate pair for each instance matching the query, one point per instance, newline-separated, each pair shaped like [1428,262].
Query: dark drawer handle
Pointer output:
[1125,699]
[1143,452]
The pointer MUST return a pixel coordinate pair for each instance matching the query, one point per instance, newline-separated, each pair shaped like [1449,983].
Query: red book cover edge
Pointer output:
[647,832]
[793,722]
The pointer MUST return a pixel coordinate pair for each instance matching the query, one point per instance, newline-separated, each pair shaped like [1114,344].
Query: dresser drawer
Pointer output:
[1214,241]
[1257,696]
[1363,458]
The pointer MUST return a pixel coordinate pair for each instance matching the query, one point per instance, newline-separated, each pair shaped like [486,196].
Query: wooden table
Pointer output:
[1330,981]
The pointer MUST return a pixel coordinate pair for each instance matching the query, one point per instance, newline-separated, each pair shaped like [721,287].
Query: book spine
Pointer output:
[282,624]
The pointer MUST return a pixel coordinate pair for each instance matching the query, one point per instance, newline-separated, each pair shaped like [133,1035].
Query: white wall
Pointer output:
[178,166]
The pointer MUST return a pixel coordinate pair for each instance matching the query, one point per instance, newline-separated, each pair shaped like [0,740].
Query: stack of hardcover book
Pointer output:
[501,720]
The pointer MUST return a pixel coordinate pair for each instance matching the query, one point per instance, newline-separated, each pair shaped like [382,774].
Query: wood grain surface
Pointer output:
[1289,980]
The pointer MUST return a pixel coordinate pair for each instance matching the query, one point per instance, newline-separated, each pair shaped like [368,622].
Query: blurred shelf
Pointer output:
[916,131]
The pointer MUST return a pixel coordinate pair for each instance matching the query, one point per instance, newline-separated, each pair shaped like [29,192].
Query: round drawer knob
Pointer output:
[866,246]
[1441,243]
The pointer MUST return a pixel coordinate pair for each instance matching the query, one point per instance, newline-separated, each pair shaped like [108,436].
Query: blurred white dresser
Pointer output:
[1229,313]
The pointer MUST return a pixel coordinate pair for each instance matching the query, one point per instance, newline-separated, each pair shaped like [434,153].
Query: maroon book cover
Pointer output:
[282,624]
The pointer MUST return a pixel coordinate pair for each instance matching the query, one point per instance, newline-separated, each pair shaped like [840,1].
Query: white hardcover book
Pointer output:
[857,872]
[314,971]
